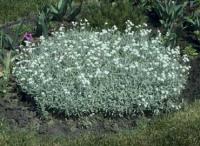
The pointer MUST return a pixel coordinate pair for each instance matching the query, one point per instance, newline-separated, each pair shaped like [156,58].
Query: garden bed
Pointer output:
[48,112]
[20,112]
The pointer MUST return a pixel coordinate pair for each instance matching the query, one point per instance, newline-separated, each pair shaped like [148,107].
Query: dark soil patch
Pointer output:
[192,89]
[22,115]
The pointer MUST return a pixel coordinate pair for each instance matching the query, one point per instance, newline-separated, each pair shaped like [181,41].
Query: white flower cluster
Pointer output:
[82,72]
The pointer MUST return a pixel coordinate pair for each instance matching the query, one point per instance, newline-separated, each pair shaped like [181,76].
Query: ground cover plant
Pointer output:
[81,72]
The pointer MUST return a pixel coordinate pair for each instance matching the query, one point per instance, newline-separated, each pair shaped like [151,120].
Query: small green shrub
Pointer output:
[5,71]
[82,72]
[113,13]
[190,51]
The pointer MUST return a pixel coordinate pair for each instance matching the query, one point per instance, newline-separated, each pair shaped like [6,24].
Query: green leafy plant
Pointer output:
[8,45]
[5,70]
[193,22]
[5,63]
[42,23]
[170,14]
[60,10]
[82,72]
[190,51]
[8,42]
[63,11]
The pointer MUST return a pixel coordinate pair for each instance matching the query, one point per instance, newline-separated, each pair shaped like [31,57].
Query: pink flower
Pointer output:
[28,37]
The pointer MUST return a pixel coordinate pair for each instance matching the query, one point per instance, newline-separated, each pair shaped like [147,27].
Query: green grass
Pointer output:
[12,9]
[178,129]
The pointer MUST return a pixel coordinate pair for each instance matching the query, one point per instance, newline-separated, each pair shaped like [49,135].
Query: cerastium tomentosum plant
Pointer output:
[82,72]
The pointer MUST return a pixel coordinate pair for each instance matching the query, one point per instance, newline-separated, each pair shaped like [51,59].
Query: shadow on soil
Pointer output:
[192,89]
[21,114]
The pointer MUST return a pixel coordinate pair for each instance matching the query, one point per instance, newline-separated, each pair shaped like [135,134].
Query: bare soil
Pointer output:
[22,115]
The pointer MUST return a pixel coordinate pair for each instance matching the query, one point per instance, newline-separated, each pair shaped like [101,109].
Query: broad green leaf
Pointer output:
[54,10]
[63,5]
[74,13]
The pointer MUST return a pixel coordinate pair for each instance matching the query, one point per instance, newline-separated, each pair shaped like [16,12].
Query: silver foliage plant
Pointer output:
[80,71]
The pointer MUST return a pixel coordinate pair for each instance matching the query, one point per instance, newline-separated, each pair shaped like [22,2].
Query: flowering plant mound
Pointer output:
[80,72]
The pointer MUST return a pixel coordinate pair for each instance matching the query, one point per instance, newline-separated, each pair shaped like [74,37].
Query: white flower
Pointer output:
[42,38]
[185,58]
[98,72]
[106,72]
